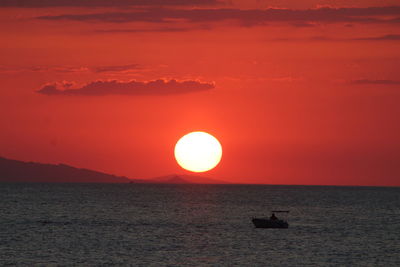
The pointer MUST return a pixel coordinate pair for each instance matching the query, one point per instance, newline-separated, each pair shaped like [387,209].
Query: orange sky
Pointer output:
[297,92]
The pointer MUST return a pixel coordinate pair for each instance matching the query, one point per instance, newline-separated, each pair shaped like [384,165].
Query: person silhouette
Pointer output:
[273,217]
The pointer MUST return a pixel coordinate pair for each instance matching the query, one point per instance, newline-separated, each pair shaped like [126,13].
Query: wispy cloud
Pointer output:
[103,3]
[388,37]
[243,17]
[157,29]
[74,69]
[120,68]
[376,82]
[114,87]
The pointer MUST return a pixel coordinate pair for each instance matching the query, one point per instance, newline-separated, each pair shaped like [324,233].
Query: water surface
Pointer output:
[197,225]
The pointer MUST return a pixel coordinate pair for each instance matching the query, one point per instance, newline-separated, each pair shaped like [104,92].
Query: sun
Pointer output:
[198,152]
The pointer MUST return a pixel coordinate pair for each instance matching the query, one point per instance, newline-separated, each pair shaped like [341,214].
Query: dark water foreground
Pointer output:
[197,225]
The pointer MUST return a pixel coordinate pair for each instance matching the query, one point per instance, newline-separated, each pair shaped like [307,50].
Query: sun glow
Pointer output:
[198,152]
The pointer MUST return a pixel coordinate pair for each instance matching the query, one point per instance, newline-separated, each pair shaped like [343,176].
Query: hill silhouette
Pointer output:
[20,171]
[185,179]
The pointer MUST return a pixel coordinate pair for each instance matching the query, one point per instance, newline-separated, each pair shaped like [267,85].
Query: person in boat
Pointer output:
[273,217]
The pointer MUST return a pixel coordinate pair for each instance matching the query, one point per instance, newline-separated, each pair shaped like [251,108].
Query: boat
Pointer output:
[271,222]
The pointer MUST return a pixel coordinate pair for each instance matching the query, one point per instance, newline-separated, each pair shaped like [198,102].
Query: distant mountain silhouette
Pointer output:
[20,171]
[185,179]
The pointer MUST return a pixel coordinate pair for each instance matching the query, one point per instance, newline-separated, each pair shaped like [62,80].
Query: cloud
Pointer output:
[377,82]
[100,88]
[164,29]
[103,3]
[152,30]
[305,39]
[71,69]
[388,37]
[61,69]
[120,68]
[303,24]
[243,17]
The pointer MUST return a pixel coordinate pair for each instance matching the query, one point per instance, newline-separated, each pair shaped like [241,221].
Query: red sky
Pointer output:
[297,92]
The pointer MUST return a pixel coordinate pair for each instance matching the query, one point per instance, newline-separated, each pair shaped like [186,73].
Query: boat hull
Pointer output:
[266,223]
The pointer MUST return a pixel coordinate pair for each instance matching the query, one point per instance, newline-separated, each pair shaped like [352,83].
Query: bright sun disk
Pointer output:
[198,152]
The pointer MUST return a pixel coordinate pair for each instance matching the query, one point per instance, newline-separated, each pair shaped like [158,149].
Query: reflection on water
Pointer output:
[197,225]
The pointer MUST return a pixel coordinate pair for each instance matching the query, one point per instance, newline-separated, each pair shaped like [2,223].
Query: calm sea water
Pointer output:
[197,225]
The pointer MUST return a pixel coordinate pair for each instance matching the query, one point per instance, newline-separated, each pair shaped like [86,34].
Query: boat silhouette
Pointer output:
[272,221]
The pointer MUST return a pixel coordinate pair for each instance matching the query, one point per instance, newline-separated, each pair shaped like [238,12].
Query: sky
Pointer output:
[297,91]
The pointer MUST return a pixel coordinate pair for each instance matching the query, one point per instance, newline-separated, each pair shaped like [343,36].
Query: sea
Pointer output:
[197,225]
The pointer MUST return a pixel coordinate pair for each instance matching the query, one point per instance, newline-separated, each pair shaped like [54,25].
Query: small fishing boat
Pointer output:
[271,222]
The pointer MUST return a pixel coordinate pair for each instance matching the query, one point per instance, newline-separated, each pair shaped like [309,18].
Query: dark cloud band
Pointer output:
[375,82]
[99,88]
[102,3]
[388,37]
[244,17]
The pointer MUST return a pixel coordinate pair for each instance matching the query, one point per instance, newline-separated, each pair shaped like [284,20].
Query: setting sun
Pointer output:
[198,152]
